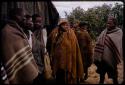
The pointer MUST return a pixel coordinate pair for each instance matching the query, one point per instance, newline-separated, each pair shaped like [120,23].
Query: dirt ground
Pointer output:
[93,77]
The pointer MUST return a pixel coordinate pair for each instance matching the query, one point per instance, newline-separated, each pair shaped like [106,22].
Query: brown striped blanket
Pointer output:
[113,41]
[17,56]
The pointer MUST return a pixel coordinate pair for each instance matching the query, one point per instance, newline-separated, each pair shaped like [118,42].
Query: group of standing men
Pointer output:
[23,48]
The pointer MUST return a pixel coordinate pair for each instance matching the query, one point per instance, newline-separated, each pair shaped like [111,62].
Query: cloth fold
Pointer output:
[17,55]
[113,40]
[65,53]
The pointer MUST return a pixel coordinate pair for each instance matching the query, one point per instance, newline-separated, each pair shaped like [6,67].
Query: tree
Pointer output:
[97,16]
[117,11]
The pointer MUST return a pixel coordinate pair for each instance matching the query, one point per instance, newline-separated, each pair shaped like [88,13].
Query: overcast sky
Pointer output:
[69,5]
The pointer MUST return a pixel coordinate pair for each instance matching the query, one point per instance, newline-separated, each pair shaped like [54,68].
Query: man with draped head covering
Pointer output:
[85,43]
[16,53]
[108,51]
[65,54]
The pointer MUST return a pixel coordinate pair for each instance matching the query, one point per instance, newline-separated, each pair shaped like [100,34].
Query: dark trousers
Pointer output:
[41,80]
[112,72]
[60,76]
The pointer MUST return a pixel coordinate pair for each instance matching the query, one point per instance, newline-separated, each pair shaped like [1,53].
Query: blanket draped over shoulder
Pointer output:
[65,54]
[17,55]
[113,41]
[85,44]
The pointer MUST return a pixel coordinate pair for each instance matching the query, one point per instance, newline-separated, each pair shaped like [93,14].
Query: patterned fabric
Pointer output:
[3,75]
[113,40]
[99,48]
[17,55]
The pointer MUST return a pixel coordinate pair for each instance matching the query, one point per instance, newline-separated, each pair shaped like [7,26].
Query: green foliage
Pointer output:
[117,11]
[97,17]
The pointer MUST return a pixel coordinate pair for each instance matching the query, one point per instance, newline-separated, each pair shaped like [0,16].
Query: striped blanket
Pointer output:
[113,40]
[17,55]
[3,76]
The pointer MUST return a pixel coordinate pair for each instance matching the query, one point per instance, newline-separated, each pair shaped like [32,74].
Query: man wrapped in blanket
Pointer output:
[16,52]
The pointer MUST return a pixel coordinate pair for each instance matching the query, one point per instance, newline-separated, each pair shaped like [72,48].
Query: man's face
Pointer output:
[65,26]
[38,22]
[21,17]
[76,25]
[110,24]
[85,27]
[28,24]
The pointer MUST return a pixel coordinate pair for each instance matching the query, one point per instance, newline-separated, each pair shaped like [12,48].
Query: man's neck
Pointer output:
[62,29]
[37,29]
[111,28]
